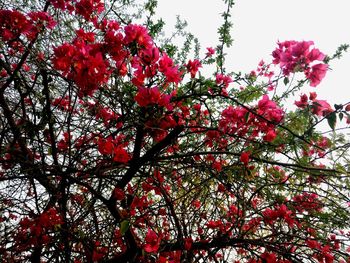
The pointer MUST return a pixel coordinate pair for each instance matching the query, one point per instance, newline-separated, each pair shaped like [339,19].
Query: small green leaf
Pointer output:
[341,115]
[124,226]
[246,116]
[286,81]
[332,120]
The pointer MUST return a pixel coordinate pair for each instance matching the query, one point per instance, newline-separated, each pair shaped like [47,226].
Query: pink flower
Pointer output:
[321,107]
[315,54]
[303,102]
[293,56]
[192,67]
[151,96]
[171,72]
[210,52]
[149,55]
[313,95]
[147,96]
[317,73]
[223,80]
[138,34]
[270,136]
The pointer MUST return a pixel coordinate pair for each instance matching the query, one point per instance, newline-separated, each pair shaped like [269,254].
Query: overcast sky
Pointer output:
[259,24]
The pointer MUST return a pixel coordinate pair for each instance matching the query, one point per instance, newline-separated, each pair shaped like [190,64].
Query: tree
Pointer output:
[115,148]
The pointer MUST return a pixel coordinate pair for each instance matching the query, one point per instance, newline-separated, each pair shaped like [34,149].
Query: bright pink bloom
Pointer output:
[138,34]
[221,79]
[317,73]
[150,55]
[171,72]
[312,95]
[211,52]
[151,96]
[270,136]
[193,66]
[321,107]
[315,54]
[269,109]
[303,102]
[293,56]
[86,8]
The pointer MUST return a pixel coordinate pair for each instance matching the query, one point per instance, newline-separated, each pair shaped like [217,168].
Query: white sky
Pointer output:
[259,24]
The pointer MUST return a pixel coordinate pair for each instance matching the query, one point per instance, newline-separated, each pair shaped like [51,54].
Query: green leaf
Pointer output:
[246,116]
[332,120]
[124,226]
[341,115]
[286,81]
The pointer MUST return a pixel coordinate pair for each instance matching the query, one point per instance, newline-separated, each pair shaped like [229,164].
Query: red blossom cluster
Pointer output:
[86,8]
[82,62]
[318,107]
[14,25]
[115,147]
[294,56]
[36,231]
[239,120]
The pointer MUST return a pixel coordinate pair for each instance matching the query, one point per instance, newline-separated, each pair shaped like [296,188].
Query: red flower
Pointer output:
[150,96]
[118,193]
[86,8]
[42,19]
[245,157]
[188,243]
[210,52]
[303,102]
[270,136]
[138,34]
[192,67]
[13,24]
[152,242]
[121,155]
[105,146]
[313,244]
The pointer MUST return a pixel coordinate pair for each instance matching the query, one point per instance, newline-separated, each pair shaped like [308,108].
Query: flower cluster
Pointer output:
[85,8]
[294,56]
[14,24]
[115,147]
[318,107]
[34,232]
[239,120]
